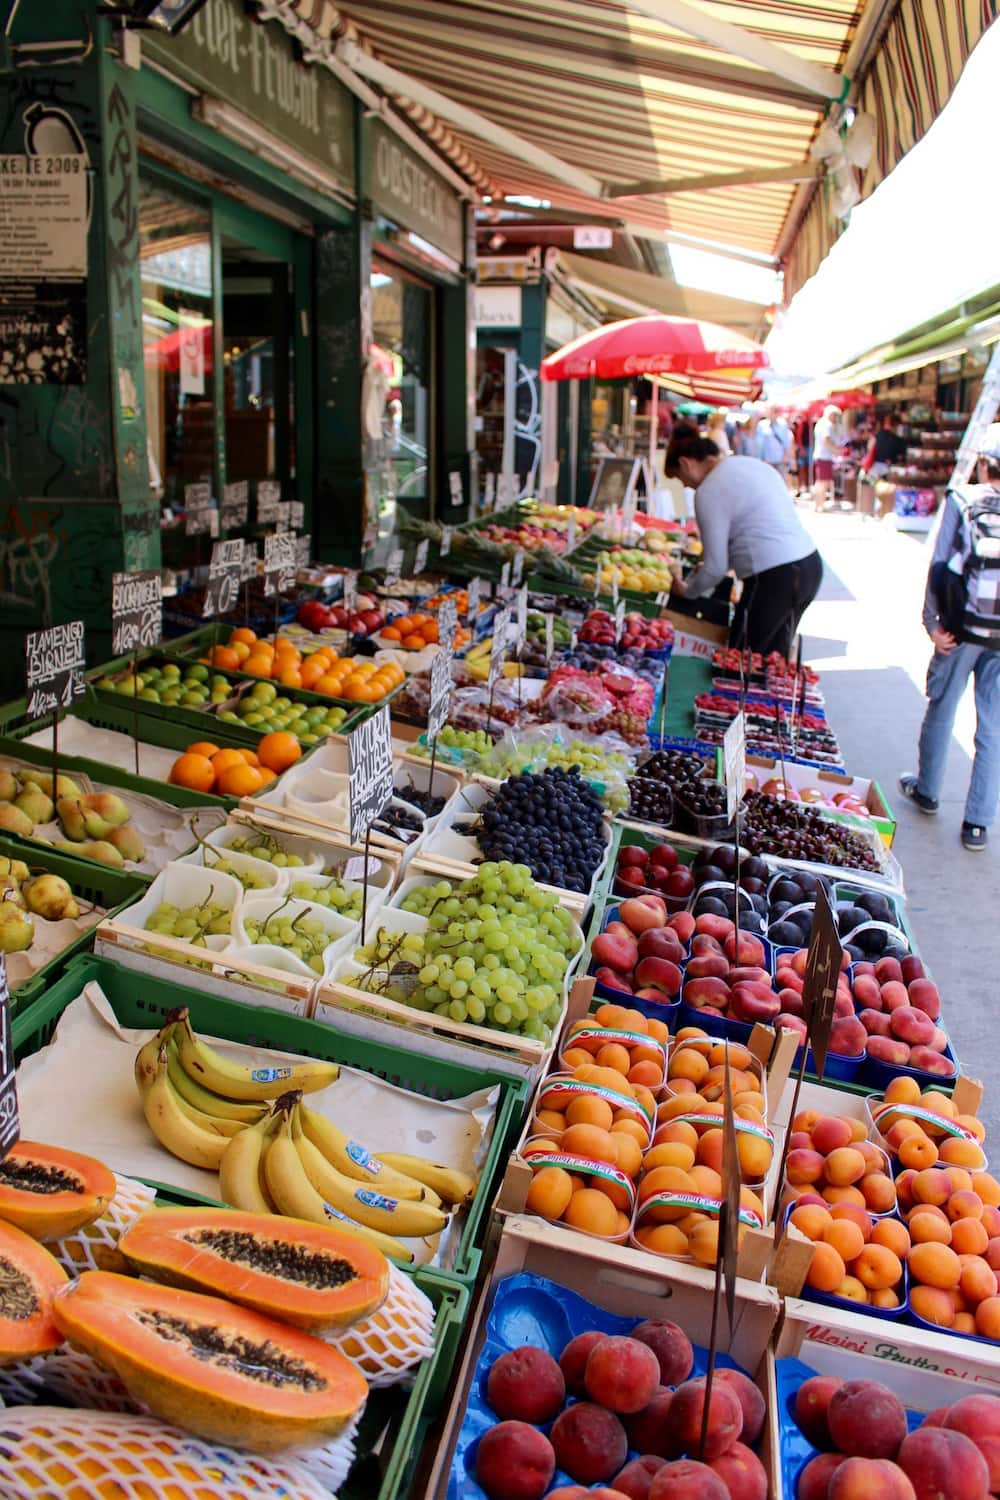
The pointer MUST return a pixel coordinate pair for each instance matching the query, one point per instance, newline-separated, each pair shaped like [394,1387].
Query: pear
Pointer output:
[71,818]
[102,851]
[110,808]
[35,804]
[13,820]
[65,785]
[51,897]
[16,928]
[8,786]
[128,843]
[10,891]
[15,868]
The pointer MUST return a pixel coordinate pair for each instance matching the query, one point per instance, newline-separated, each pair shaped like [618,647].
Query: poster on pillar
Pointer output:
[45,203]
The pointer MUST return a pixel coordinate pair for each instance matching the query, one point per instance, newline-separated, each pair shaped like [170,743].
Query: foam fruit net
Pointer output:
[395,1338]
[89,1455]
[95,1247]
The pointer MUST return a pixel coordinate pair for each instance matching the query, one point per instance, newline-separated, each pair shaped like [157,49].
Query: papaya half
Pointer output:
[49,1192]
[221,1372]
[311,1275]
[29,1279]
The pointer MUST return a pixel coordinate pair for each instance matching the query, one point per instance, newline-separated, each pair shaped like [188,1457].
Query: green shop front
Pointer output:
[262,300]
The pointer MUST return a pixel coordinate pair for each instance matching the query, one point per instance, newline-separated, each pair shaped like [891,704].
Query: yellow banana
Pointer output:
[240,1169]
[289,1185]
[366,1206]
[224,1110]
[148,1057]
[237,1081]
[354,1161]
[449,1183]
[181,1136]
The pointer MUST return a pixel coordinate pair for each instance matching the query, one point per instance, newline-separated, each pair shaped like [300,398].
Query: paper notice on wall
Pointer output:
[192,336]
[43,269]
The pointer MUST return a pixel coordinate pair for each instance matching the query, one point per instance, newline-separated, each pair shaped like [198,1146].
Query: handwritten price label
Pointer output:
[136,611]
[54,662]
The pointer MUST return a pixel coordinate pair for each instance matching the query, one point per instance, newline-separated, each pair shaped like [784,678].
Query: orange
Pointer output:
[249,756]
[311,671]
[266,775]
[328,684]
[278,750]
[390,633]
[242,651]
[225,658]
[193,771]
[290,677]
[258,666]
[240,780]
[203,747]
[243,633]
[223,759]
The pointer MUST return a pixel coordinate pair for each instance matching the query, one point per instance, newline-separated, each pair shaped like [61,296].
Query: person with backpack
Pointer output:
[962,618]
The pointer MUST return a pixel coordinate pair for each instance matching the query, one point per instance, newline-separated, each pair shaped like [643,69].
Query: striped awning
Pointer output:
[626,98]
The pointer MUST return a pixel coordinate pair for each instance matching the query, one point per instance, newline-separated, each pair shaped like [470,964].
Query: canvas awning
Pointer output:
[623,291]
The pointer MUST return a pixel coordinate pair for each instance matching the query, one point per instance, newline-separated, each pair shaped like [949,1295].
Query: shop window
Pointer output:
[176,270]
[258,368]
[401,355]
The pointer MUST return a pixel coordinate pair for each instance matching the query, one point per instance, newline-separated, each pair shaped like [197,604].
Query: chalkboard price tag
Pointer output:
[447,625]
[444,546]
[54,662]
[303,549]
[369,768]
[197,509]
[235,505]
[437,713]
[819,984]
[498,650]
[10,1125]
[420,558]
[136,611]
[284,515]
[225,574]
[248,566]
[473,591]
[268,500]
[279,561]
[394,566]
[734,760]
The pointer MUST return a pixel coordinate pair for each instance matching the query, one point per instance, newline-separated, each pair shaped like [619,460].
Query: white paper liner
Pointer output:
[50,939]
[389,1343]
[88,1455]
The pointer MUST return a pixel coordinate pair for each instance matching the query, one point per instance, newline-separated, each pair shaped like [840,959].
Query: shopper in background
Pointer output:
[776,442]
[886,447]
[962,618]
[748,526]
[715,431]
[803,452]
[750,439]
[828,439]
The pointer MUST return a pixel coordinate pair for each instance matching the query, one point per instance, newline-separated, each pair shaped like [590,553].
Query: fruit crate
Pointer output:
[147,1005]
[537,1262]
[100,885]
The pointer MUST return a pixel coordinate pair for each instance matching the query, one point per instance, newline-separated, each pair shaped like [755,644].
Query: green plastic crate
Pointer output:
[98,884]
[146,1003]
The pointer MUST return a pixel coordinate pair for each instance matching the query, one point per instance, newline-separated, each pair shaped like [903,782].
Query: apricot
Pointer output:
[870,1479]
[826,1269]
[670,1344]
[964,1204]
[935,1265]
[811,1220]
[961,1153]
[551,1120]
[662,1239]
[988,1318]
[706,1180]
[549,1194]
[669,1154]
[831,1132]
[626,1125]
[646,1430]
[526,1385]
[969,1237]
[590,1443]
[992,1253]
[622,1374]
[933,1305]
[805,1166]
[687,1480]
[515,1461]
[814,1481]
[845,1166]
[688,1062]
[885,1298]
[613,1055]
[878,1268]
[916,1151]
[588,1109]
[866,1420]
[755,1153]
[857,1215]
[593,1212]
[894,1235]
[929,1228]
[991,1220]
[977,1282]
[676,1132]
[932,1186]
[987,1187]
[844,1195]
[812,1401]
[852,1290]
[741,1471]
[703,1242]
[943,1461]
[879,1192]
[573,1359]
[903,1090]
[591,1142]
[845,1237]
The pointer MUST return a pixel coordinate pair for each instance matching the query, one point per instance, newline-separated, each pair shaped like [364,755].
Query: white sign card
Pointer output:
[193,334]
[444,546]
[447,625]
[498,649]
[455,488]
[473,591]
[10,1125]
[349,598]
[420,558]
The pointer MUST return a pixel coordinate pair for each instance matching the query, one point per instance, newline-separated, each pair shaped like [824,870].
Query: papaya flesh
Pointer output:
[310,1275]
[29,1279]
[49,1192]
[221,1372]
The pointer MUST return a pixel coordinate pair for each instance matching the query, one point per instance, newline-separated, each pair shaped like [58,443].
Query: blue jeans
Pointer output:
[947,677]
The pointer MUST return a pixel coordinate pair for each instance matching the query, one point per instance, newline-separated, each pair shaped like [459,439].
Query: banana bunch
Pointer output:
[275,1155]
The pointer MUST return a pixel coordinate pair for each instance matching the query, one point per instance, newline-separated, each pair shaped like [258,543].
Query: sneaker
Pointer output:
[908,787]
[974,836]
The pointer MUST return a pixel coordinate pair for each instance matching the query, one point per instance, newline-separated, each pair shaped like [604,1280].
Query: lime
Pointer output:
[192,700]
[150,694]
[197,673]
[171,670]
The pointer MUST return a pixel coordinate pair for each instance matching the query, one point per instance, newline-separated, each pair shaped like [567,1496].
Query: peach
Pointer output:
[814,1481]
[526,1385]
[847,1036]
[924,996]
[870,1479]
[943,1461]
[888,1049]
[725,1419]
[589,1442]
[707,965]
[812,1400]
[867,992]
[687,1480]
[875,1022]
[866,1420]
[622,1374]
[647,1429]
[742,1472]
[743,948]
[573,1360]
[750,1399]
[671,1346]
[888,969]
[636,1478]
[709,991]
[929,1061]
[978,1418]
[515,1461]
[912,1025]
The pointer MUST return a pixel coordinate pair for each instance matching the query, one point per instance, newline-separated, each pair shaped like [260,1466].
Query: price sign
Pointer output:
[819,984]
[571,531]
[248,567]
[268,499]
[455,488]
[437,713]
[498,650]
[473,591]
[505,576]
[10,1124]
[394,565]
[420,558]
[303,549]
[136,610]
[54,662]
[619,620]
[734,760]
[197,509]
[279,561]
[235,505]
[444,546]
[521,615]
[349,598]
[662,600]
[284,515]
[489,492]
[225,574]
[447,625]
[550,623]
[296,514]
[517,568]
[369,769]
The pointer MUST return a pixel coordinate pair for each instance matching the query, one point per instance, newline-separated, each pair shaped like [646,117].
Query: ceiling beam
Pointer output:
[468,120]
[823,83]
[800,171]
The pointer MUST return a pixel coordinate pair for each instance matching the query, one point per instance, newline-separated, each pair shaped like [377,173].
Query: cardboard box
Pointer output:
[830,782]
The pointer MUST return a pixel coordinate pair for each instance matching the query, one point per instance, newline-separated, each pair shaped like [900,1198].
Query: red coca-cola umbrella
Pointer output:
[655,345]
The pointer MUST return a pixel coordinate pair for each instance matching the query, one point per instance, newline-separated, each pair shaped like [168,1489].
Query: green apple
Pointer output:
[171,671]
[197,673]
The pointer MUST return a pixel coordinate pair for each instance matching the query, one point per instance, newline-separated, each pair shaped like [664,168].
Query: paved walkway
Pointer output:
[864,634]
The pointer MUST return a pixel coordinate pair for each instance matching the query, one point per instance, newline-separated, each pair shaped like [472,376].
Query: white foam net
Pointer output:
[87,1455]
[95,1247]
[389,1343]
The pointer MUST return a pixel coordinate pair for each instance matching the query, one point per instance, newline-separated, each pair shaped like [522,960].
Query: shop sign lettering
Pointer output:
[403,187]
